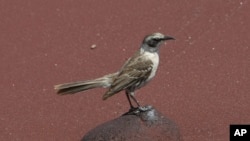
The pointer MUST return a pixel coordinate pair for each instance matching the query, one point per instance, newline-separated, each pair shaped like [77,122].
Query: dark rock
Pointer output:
[141,124]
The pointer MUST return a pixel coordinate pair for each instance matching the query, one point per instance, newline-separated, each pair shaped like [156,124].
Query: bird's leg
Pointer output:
[133,97]
[130,103]
[139,108]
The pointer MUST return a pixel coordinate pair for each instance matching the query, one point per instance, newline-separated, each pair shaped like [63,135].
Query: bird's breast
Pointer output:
[154,57]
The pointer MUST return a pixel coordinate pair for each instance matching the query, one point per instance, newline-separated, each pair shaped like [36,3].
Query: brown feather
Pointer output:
[135,71]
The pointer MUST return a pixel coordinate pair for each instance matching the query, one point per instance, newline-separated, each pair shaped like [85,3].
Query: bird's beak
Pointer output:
[168,38]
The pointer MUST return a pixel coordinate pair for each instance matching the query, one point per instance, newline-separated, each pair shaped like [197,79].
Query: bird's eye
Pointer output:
[153,42]
[156,39]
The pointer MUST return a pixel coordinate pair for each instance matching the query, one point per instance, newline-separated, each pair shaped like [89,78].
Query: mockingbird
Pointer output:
[135,73]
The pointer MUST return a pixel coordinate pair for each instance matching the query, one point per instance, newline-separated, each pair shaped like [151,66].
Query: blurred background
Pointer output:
[202,81]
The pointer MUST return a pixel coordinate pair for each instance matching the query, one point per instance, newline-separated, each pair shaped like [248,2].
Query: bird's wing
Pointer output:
[135,71]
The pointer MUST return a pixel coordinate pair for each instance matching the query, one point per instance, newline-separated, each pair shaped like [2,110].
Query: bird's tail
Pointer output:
[74,87]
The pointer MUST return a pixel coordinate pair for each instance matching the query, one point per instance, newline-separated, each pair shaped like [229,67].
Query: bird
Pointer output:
[137,71]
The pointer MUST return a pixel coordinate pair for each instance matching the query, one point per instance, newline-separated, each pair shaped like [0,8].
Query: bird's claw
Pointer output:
[145,108]
[138,110]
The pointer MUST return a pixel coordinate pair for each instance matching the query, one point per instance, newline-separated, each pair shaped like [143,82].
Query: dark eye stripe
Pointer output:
[157,39]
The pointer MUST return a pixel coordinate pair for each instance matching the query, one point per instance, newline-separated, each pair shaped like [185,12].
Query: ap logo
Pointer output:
[239,132]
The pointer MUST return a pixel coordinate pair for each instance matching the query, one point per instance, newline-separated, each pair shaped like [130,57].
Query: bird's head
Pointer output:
[153,41]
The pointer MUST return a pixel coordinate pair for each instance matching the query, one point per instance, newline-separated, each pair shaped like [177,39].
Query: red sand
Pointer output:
[202,82]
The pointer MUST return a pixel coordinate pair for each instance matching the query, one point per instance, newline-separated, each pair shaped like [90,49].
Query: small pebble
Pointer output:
[93,46]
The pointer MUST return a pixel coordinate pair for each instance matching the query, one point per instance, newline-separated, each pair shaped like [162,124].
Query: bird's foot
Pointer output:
[145,108]
[138,110]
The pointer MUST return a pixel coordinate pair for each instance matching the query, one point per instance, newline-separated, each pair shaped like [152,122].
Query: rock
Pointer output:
[141,124]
